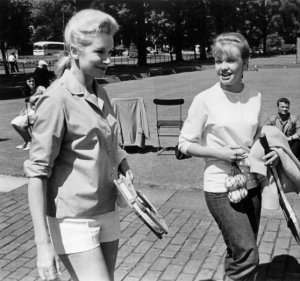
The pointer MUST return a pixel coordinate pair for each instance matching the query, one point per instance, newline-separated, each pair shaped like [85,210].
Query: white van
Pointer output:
[48,48]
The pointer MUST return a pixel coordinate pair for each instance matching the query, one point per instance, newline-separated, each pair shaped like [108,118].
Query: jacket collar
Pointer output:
[279,117]
[76,88]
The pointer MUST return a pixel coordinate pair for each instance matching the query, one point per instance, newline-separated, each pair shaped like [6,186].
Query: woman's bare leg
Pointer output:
[96,264]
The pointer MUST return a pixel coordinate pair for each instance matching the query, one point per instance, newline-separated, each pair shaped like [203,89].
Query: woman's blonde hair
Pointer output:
[80,31]
[223,43]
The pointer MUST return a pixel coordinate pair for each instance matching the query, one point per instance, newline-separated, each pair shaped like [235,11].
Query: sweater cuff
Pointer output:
[183,147]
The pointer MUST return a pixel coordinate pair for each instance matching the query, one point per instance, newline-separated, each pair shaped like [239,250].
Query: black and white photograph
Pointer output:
[150,140]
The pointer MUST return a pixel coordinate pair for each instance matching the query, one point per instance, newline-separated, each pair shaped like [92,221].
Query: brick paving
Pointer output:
[192,250]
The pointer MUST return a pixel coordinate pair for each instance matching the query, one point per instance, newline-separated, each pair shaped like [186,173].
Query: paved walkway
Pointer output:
[192,250]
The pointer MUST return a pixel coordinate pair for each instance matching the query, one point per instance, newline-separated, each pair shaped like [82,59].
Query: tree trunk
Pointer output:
[264,26]
[178,32]
[141,33]
[203,39]
[4,59]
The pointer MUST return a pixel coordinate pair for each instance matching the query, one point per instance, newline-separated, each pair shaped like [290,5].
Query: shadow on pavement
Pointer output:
[281,266]
[11,93]
[142,150]
[11,86]
[149,148]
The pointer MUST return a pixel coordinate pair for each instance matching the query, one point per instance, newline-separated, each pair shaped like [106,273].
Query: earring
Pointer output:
[74,53]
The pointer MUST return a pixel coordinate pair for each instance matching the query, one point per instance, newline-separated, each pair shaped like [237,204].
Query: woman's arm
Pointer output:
[227,153]
[47,260]
[192,131]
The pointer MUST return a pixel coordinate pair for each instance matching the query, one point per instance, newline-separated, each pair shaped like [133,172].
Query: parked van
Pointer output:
[48,48]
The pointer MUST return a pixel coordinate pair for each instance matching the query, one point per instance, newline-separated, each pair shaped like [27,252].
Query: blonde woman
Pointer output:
[221,126]
[75,157]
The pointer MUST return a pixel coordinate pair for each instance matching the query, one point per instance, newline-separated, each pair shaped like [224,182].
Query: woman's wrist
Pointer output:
[42,242]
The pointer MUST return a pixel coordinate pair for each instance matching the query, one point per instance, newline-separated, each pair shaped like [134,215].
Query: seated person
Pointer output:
[23,122]
[288,123]
[43,77]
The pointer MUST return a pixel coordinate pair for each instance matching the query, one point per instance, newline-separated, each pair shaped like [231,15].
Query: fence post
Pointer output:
[298,50]
[23,66]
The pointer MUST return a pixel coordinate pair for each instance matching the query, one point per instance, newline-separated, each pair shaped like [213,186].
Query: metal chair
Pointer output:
[166,120]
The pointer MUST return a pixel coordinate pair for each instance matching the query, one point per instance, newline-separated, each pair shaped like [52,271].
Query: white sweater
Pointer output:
[217,118]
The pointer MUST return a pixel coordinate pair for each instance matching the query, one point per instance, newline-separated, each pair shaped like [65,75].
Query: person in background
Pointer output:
[16,61]
[24,121]
[12,60]
[75,158]
[42,74]
[221,126]
[288,123]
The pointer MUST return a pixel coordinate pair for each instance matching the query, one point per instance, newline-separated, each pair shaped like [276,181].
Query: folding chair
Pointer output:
[168,118]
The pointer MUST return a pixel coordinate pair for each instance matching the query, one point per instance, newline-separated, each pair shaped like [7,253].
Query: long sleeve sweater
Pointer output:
[218,118]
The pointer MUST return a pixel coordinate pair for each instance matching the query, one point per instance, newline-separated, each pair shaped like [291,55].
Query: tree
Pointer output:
[169,18]
[131,16]
[4,32]
[285,20]
[198,27]
[15,19]
[50,18]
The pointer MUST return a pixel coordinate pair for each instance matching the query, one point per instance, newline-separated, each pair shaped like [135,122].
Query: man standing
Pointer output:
[288,123]
[12,62]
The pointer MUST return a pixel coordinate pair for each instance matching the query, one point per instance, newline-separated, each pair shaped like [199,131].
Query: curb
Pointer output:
[150,73]
[15,92]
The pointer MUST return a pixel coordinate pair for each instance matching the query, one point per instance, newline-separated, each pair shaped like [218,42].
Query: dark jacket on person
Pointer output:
[42,77]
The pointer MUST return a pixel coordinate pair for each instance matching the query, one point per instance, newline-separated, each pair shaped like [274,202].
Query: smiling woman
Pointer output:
[221,126]
[75,156]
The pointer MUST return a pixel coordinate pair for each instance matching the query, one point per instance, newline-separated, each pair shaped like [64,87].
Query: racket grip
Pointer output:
[264,143]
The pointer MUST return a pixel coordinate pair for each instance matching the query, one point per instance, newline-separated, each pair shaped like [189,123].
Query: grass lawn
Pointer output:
[150,169]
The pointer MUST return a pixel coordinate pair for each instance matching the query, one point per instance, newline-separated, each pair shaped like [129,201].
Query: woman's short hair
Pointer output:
[81,30]
[284,100]
[223,43]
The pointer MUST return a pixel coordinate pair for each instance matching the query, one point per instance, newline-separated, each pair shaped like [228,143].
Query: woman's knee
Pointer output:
[87,266]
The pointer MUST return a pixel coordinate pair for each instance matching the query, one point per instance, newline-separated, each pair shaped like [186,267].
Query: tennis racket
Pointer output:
[142,207]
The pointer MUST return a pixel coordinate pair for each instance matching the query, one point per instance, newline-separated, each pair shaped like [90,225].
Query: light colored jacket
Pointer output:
[288,169]
[290,127]
[132,120]
[75,146]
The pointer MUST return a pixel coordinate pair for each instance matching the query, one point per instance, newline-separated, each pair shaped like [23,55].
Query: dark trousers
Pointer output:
[12,66]
[239,225]
[295,147]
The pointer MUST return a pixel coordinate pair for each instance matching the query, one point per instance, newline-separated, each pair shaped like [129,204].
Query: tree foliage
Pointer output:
[177,24]
[15,22]
[49,19]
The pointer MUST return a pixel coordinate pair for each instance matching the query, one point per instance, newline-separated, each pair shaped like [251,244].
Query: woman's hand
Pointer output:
[232,153]
[271,159]
[47,262]
[129,175]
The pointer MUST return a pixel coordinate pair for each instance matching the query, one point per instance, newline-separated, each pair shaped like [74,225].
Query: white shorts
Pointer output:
[73,235]
[20,121]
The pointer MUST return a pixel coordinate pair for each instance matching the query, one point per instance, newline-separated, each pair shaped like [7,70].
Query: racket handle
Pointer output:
[264,143]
